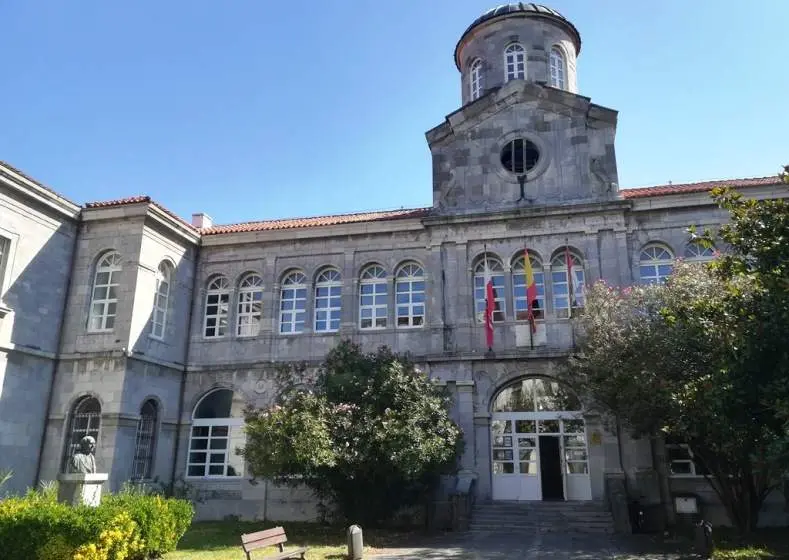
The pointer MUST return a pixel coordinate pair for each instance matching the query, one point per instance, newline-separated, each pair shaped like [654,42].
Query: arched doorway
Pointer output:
[538,443]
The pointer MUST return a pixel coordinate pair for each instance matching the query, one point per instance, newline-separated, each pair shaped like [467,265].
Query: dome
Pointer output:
[521,9]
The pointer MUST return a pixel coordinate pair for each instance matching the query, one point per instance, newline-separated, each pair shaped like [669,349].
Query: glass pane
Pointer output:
[527,442]
[680,467]
[527,454]
[574,441]
[498,454]
[578,468]
[548,426]
[219,431]
[196,470]
[501,426]
[219,443]
[573,426]
[197,457]
[575,454]
[503,468]
[528,468]
[216,470]
[200,431]
[217,458]
[524,426]
[199,444]
[502,441]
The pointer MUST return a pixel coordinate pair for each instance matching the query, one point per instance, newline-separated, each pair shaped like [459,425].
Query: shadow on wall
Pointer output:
[36,297]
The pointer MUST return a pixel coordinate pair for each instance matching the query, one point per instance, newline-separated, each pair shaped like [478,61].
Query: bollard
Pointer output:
[703,538]
[355,543]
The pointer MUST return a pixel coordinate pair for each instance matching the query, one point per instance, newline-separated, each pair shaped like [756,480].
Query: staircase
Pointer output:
[545,517]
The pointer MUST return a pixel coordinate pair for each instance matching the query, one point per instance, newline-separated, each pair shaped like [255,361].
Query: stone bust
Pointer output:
[83,461]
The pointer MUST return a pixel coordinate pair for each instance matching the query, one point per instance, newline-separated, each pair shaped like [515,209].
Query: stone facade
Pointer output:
[53,360]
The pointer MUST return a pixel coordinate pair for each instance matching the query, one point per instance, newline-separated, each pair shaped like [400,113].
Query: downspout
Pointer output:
[56,361]
[181,396]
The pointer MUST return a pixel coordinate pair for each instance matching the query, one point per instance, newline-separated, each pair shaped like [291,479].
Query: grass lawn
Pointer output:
[770,543]
[221,540]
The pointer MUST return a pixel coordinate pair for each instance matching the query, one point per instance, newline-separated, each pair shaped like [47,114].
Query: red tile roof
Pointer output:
[663,190]
[38,183]
[317,221]
[137,200]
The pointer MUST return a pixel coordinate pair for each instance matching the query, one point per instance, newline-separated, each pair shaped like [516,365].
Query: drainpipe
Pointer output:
[56,361]
[192,303]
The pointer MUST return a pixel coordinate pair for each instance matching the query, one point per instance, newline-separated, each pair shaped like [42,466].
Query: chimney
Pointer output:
[201,220]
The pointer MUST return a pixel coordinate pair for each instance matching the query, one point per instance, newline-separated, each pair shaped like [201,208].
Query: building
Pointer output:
[121,320]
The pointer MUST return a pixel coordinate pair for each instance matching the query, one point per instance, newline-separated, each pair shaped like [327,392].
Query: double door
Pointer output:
[539,456]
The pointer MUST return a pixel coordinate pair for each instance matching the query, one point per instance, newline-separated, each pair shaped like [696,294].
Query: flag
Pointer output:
[490,306]
[570,279]
[531,290]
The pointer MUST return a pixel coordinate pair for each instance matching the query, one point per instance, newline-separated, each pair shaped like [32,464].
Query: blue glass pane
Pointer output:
[665,269]
[286,304]
[320,316]
[321,292]
[520,291]
[498,281]
[403,298]
[380,300]
[335,291]
[367,300]
[380,289]
[367,313]
[402,311]
[418,297]
[402,286]
[301,293]
[419,286]
[560,302]
[335,302]
[335,324]
[560,289]
[335,315]
[479,281]
[301,304]
[367,288]
[419,310]
[558,277]
[320,325]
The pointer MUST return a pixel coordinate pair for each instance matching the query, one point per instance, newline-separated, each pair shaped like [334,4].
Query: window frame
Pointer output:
[219,287]
[111,264]
[691,461]
[695,252]
[559,266]
[74,434]
[518,53]
[145,441]
[475,79]
[557,67]
[161,302]
[482,270]
[250,293]
[288,286]
[655,262]
[231,424]
[330,280]
[379,287]
[407,278]
[539,280]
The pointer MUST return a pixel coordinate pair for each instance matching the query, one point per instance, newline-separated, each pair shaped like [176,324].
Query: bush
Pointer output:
[123,527]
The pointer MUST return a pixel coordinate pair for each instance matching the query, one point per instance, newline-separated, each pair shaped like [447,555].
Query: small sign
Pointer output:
[685,504]
[595,438]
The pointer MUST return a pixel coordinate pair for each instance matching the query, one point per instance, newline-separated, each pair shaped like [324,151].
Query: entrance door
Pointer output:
[551,468]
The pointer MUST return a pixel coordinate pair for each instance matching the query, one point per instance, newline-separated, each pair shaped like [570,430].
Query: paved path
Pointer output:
[547,546]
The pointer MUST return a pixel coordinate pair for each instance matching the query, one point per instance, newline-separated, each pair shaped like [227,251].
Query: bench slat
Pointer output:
[295,553]
[267,534]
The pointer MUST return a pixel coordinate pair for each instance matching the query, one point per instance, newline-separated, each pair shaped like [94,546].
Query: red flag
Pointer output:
[490,306]
[531,290]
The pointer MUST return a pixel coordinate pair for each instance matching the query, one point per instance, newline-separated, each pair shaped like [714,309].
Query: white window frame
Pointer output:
[145,442]
[475,79]
[560,286]
[161,299]
[690,462]
[104,296]
[656,257]
[490,267]
[696,252]
[328,287]
[558,68]
[232,424]
[514,62]
[249,306]
[293,303]
[217,296]
[520,306]
[409,298]
[373,288]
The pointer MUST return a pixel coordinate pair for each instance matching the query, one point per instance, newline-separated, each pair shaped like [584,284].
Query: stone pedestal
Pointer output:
[81,489]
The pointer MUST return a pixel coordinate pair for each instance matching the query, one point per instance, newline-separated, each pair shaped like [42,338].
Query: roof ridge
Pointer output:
[323,216]
[722,181]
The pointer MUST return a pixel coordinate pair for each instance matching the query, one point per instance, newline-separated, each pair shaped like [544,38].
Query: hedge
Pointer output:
[125,526]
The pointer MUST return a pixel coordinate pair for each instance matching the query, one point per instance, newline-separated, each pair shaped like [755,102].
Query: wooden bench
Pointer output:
[270,537]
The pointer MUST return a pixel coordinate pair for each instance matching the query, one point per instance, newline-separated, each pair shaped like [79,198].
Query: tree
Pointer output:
[372,436]
[704,359]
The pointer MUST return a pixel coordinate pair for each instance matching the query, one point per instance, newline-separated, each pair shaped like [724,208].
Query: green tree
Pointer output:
[704,359]
[373,434]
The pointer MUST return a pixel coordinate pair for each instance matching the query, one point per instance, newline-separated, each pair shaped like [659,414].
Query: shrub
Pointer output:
[123,527]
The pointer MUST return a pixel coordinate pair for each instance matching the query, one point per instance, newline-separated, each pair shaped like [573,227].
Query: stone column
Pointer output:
[465,411]
[482,456]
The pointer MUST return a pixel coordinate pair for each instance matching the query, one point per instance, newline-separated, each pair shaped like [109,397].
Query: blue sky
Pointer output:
[254,109]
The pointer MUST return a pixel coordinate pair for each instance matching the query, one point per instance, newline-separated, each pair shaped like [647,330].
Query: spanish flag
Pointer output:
[531,291]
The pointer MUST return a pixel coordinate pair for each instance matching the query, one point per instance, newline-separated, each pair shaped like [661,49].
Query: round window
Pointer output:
[520,156]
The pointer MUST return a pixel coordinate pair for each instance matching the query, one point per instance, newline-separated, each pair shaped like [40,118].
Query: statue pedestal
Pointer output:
[81,489]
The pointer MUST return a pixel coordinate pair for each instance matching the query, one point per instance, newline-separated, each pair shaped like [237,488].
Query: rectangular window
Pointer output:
[216,311]
[410,302]
[328,304]
[292,310]
[250,308]
[372,305]
[561,291]
[499,300]
[519,289]
[681,461]
[144,448]
[212,450]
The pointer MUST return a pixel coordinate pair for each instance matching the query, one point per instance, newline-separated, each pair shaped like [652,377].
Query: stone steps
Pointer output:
[543,517]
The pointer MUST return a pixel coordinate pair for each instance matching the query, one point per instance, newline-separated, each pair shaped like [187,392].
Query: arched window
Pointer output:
[217,431]
[217,307]
[698,252]
[487,268]
[328,300]
[519,287]
[410,294]
[475,79]
[535,394]
[160,301]
[515,62]
[373,296]
[557,68]
[85,420]
[145,446]
[293,303]
[567,295]
[655,264]
[104,301]
[250,305]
